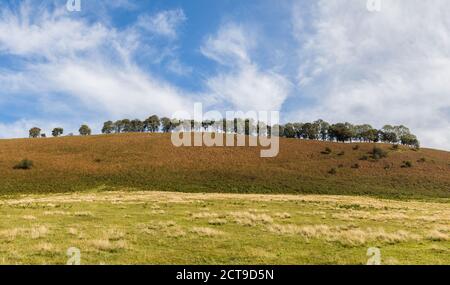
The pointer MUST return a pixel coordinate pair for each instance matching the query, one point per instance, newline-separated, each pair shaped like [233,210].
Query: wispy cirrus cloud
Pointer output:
[241,82]
[231,45]
[164,23]
[71,60]
[380,67]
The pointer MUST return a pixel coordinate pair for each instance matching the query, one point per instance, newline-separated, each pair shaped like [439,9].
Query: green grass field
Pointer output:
[129,227]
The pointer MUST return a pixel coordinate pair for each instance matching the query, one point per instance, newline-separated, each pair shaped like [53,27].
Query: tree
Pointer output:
[310,131]
[261,129]
[277,133]
[250,127]
[289,131]
[410,140]
[239,126]
[126,126]
[388,129]
[352,130]
[57,132]
[196,126]
[390,137]
[108,127]
[35,132]
[206,124]
[219,126]
[175,124]
[152,124]
[389,134]
[322,128]
[401,131]
[340,132]
[229,126]
[371,135]
[85,130]
[118,126]
[166,124]
[298,130]
[361,132]
[137,126]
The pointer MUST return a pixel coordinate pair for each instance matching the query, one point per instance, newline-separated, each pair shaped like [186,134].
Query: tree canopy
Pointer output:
[35,132]
[57,132]
[85,130]
[317,130]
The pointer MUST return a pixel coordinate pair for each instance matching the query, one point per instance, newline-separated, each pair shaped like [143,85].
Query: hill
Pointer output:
[151,162]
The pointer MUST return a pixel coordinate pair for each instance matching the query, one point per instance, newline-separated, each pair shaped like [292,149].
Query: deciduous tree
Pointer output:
[85,130]
[35,132]
[57,132]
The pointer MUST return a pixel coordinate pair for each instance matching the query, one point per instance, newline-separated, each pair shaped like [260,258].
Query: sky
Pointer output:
[331,59]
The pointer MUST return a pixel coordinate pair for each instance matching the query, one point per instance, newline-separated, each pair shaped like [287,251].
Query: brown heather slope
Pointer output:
[150,162]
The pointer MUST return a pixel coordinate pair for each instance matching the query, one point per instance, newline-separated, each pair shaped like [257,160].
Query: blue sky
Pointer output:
[330,59]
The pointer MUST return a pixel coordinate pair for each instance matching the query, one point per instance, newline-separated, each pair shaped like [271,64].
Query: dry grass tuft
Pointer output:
[56,213]
[283,229]
[249,219]
[75,232]
[107,245]
[38,232]
[72,231]
[35,232]
[45,247]
[204,215]
[176,232]
[436,235]
[206,232]
[29,218]
[114,235]
[83,214]
[283,215]
[345,235]
[167,228]
[158,226]
[217,222]
[10,234]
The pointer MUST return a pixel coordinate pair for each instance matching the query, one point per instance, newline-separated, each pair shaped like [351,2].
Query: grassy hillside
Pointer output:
[150,162]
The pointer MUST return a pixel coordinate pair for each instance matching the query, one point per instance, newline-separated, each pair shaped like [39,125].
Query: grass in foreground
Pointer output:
[176,228]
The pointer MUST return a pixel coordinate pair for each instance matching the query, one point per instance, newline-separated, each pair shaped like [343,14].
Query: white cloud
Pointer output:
[250,89]
[384,67]
[47,35]
[16,129]
[70,59]
[230,45]
[242,84]
[164,23]
[119,91]
[175,66]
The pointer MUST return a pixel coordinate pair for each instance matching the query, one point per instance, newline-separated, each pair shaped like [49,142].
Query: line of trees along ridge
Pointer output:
[317,130]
